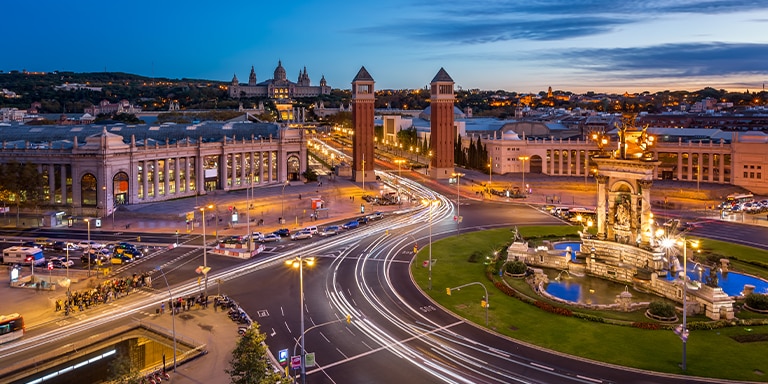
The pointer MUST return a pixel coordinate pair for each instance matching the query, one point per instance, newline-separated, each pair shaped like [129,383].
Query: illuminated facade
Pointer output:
[279,87]
[90,170]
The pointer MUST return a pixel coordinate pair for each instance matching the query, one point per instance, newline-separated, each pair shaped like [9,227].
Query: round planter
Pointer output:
[660,319]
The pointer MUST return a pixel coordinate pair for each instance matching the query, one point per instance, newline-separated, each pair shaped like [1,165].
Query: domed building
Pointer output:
[279,87]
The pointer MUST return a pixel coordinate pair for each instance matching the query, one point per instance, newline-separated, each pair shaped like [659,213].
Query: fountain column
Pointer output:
[646,225]
[601,207]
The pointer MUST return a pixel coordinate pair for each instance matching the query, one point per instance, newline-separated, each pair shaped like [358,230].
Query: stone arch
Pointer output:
[88,190]
[536,164]
[293,167]
[121,188]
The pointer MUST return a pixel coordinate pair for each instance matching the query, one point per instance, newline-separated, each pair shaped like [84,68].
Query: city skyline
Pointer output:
[581,45]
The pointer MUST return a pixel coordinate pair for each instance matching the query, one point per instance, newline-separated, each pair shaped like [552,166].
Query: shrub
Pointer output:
[516,267]
[592,318]
[644,325]
[661,309]
[553,309]
[757,301]
[475,257]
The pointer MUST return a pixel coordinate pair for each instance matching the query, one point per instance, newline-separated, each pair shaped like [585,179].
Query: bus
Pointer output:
[740,197]
[23,256]
[11,327]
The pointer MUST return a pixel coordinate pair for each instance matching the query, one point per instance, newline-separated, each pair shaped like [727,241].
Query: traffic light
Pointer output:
[138,238]
[349,319]
[415,248]
[448,291]
[483,303]
[230,208]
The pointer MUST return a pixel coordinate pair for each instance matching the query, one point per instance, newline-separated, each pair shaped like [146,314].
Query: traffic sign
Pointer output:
[295,362]
[310,358]
[282,356]
[50,266]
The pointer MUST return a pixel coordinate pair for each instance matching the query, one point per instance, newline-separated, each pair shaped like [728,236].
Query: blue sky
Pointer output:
[515,45]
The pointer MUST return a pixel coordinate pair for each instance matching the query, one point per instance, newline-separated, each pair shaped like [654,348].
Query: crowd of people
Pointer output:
[102,293]
[182,304]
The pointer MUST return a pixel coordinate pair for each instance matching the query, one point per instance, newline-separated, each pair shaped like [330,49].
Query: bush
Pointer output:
[661,309]
[475,257]
[644,325]
[553,309]
[757,301]
[516,267]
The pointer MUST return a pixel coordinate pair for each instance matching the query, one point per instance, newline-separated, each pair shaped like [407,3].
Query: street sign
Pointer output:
[282,356]
[295,362]
[50,266]
[310,359]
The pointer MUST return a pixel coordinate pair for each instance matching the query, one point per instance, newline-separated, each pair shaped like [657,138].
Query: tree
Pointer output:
[249,362]
[20,183]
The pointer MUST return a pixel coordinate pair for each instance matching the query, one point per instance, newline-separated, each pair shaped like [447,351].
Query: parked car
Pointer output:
[362,220]
[89,244]
[351,225]
[283,232]
[62,262]
[311,229]
[301,235]
[330,230]
[62,246]
[375,216]
[256,236]
[271,237]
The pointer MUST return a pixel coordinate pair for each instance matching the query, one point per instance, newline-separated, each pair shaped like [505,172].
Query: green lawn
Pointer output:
[710,353]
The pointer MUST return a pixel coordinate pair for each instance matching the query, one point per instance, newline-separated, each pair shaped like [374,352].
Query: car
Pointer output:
[256,236]
[301,235]
[63,246]
[89,244]
[95,258]
[311,229]
[268,238]
[351,225]
[362,220]
[283,232]
[375,216]
[120,259]
[43,242]
[330,230]
[30,244]
[62,262]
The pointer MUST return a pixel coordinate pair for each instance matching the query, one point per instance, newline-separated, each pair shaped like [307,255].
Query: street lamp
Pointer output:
[298,262]
[282,202]
[682,331]
[205,249]
[173,319]
[490,172]
[523,159]
[88,221]
[399,162]
[458,176]
[429,264]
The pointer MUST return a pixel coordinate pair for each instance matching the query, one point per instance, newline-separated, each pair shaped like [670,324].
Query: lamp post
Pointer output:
[429,264]
[88,221]
[205,249]
[683,330]
[282,202]
[399,163]
[523,159]
[458,176]
[490,172]
[173,319]
[299,262]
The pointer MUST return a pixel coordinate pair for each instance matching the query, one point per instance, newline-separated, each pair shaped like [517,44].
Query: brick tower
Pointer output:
[442,134]
[362,123]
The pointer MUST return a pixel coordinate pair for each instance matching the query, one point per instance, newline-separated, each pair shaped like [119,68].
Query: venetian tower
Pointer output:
[362,123]
[442,136]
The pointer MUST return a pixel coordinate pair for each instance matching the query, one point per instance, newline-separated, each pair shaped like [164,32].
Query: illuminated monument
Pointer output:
[362,122]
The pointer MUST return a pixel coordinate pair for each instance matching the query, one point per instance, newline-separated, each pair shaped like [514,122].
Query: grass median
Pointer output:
[710,353]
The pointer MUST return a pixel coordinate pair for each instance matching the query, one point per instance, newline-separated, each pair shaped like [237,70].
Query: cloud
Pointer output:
[459,21]
[670,60]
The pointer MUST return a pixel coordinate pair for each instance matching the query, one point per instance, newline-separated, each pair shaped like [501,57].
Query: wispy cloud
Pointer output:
[671,60]
[459,21]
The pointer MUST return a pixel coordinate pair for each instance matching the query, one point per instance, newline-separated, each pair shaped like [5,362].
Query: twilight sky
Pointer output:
[515,45]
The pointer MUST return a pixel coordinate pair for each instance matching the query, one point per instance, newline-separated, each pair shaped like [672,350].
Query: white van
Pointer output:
[23,256]
[311,229]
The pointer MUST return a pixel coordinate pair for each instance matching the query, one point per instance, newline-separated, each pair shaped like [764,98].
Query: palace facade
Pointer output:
[279,87]
[92,169]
